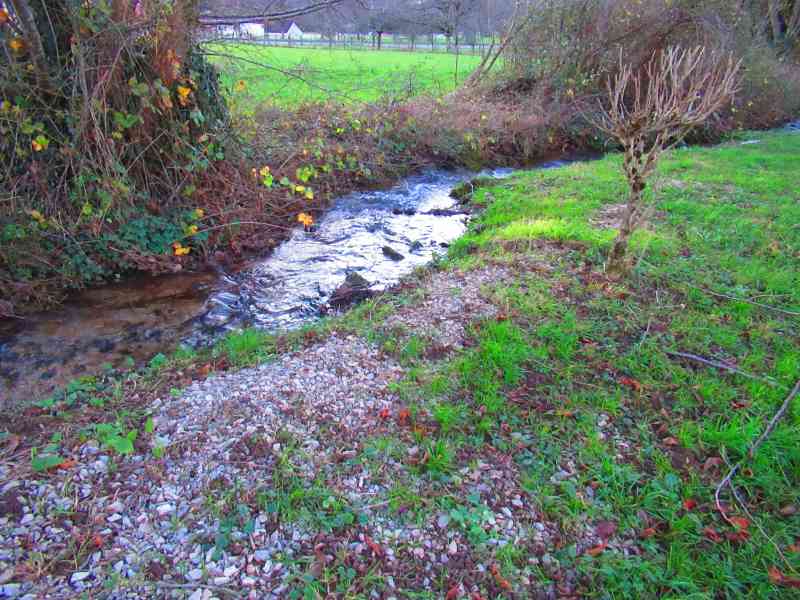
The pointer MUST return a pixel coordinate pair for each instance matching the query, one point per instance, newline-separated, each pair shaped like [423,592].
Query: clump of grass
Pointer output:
[245,347]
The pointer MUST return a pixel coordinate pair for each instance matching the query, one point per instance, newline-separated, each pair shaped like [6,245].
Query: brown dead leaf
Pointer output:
[778,578]
[631,383]
[403,416]
[740,523]
[647,533]
[499,579]
[597,550]
[606,529]
[11,443]
[376,549]
[712,535]
[738,537]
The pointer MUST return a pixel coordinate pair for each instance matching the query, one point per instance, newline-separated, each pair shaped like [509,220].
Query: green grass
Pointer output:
[344,75]
[570,392]
[724,234]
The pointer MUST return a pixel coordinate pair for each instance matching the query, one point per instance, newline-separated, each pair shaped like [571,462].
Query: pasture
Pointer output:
[284,76]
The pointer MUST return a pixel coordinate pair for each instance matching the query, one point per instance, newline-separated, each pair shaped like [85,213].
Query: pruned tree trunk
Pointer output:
[650,110]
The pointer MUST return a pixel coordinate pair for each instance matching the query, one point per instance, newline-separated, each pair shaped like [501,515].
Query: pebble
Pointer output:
[10,590]
[79,576]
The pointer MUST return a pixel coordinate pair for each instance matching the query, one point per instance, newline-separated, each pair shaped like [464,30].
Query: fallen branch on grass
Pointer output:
[720,365]
[727,481]
[753,302]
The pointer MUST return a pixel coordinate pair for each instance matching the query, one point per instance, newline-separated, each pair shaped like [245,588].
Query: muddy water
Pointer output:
[380,235]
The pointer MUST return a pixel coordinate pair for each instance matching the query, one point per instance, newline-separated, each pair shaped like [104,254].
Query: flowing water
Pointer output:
[380,235]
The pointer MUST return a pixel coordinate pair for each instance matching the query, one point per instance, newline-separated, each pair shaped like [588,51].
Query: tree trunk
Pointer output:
[34,40]
[775,20]
[618,263]
[618,257]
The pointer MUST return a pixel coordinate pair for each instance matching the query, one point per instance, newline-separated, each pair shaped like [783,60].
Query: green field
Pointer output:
[344,75]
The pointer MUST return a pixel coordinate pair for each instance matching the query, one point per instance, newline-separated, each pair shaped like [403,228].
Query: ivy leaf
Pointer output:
[45,462]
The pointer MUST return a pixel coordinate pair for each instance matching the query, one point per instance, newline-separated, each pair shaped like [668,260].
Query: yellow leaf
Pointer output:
[199,213]
[309,194]
[16,44]
[239,86]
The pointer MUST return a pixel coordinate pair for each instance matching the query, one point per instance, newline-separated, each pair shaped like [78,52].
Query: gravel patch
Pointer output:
[183,516]
[119,521]
[453,299]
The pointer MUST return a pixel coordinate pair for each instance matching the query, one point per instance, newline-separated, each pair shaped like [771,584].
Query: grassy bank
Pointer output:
[318,74]
[581,410]
[591,382]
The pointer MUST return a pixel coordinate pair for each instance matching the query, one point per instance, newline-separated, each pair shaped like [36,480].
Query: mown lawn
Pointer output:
[345,75]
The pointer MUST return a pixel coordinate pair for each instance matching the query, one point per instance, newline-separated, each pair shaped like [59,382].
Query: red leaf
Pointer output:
[476,596]
[403,416]
[501,581]
[67,464]
[737,537]
[647,533]
[597,549]
[98,540]
[376,549]
[384,414]
[689,504]
[775,576]
[778,578]
[631,383]
[712,534]
[740,523]
[452,593]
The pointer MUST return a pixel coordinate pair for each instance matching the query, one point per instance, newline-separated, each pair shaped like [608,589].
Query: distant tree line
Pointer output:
[459,21]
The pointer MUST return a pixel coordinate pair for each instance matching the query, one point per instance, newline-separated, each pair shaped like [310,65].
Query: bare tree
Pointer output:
[651,110]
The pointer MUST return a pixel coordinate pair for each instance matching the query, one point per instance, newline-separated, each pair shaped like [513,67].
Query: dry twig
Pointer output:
[728,480]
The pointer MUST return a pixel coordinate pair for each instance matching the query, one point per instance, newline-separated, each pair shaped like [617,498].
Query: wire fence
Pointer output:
[357,42]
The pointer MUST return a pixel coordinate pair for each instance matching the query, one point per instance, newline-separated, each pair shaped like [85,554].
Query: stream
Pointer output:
[380,235]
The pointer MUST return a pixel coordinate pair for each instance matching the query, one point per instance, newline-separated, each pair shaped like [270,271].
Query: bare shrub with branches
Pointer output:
[651,110]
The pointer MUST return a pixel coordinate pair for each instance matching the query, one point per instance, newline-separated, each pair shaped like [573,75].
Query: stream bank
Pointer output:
[377,235]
